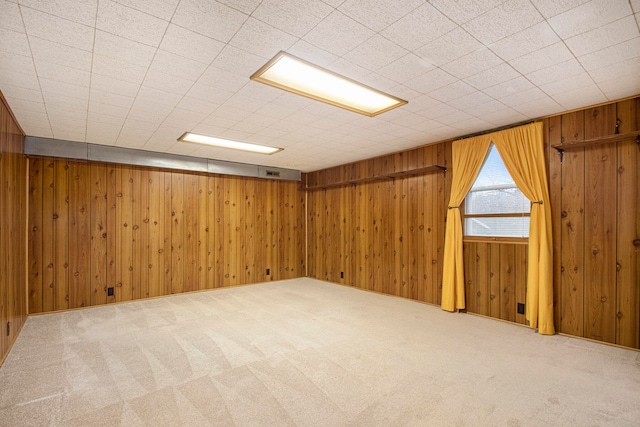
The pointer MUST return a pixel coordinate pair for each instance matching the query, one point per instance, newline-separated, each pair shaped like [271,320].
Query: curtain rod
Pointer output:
[528,122]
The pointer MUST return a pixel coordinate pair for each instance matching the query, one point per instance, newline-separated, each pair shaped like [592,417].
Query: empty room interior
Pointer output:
[319,213]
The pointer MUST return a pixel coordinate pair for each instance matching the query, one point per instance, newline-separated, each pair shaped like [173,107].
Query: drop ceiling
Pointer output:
[140,73]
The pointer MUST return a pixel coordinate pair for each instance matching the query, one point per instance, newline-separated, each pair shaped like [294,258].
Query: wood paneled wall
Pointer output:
[388,236]
[385,235]
[595,195]
[13,240]
[149,232]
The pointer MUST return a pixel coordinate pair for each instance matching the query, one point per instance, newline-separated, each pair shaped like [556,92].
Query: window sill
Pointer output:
[488,239]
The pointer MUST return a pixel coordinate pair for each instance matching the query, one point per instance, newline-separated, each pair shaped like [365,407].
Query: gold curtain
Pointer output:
[522,150]
[468,157]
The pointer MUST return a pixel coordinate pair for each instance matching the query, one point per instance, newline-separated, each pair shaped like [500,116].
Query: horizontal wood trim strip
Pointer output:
[596,141]
[417,171]
[509,240]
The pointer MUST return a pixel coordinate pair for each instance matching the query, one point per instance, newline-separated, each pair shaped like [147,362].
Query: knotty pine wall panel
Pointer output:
[387,235]
[13,232]
[148,232]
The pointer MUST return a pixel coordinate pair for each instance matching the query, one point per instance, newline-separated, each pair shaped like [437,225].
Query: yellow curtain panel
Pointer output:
[522,150]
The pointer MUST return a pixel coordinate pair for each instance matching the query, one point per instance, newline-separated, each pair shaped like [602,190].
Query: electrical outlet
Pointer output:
[109,292]
[520,308]
[268,271]
[342,274]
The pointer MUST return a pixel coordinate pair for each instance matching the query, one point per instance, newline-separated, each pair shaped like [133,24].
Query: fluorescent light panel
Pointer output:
[225,143]
[295,75]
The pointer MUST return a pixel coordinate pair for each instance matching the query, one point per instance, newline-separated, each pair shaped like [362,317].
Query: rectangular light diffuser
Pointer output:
[225,143]
[295,75]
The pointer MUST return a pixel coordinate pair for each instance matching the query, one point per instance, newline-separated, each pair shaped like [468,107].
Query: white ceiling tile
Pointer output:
[611,55]
[29,105]
[110,98]
[10,18]
[574,83]
[586,96]
[379,82]
[504,117]
[589,16]
[627,70]
[97,118]
[348,69]
[290,100]
[462,11]
[188,44]
[117,47]
[555,72]
[430,81]
[244,6]
[106,110]
[295,17]
[70,134]
[208,94]
[451,46]
[529,40]
[115,86]
[151,96]
[63,74]
[406,68]
[471,101]
[409,32]
[14,42]
[619,88]
[602,37]
[238,61]
[508,88]
[197,106]
[523,98]
[549,8]
[118,70]
[158,80]
[18,63]
[177,66]
[453,91]
[473,63]
[68,89]
[261,39]
[209,18]
[438,111]
[260,91]
[635,5]
[489,107]
[221,79]
[492,76]
[311,53]
[15,92]
[55,53]
[513,16]
[129,23]
[542,58]
[338,34]
[378,14]
[454,116]
[162,9]
[80,11]
[58,30]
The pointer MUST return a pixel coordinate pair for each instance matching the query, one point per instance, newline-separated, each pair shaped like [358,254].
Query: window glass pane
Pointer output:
[494,191]
[503,227]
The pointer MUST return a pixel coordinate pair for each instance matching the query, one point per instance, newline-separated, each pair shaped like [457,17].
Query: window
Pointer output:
[495,207]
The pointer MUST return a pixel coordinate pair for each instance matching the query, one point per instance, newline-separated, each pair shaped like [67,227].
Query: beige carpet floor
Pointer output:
[308,353]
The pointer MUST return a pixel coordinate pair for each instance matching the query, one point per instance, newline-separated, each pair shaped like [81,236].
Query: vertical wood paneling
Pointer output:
[177,232]
[600,226]
[48,253]
[572,232]
[628,275]
[14,196]
[61,235]
[521,265]
[470,280]
[191,220]
[507,255]
[147,232]
[554,136]
[79,179]
[156,233]
[98,227]
[36,269]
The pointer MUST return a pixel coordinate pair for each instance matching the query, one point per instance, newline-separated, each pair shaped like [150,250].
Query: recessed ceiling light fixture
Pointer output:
[225,143]
[295,75]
